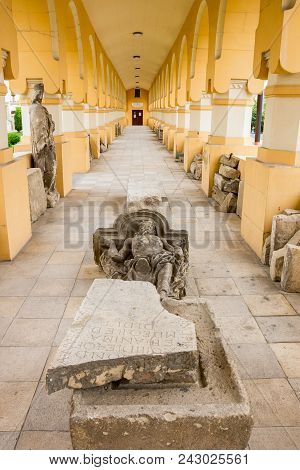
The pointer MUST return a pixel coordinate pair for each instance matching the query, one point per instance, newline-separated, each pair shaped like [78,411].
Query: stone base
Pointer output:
[216,416]
[37,195]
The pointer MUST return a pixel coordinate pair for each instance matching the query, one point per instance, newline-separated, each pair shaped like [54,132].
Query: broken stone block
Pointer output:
[229,204]
[265,256]
[216,416]
[220,181]
[143,194]
[291,211]
[239,205]
[232,186]
[290,279]
[229,172]
[283,228]
[277,260]
[229,160]
[218,195]
[122,332]
[196,167]
[37,195]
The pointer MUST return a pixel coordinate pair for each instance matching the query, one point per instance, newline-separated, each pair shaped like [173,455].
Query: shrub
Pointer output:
[18,119]
[13,138]
[254,117]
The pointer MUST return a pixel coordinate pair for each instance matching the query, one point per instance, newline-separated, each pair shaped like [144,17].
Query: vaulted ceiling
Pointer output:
[159,21]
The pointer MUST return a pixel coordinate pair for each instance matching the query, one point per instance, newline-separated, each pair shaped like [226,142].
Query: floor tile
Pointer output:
[8,440]
[256,361]
[274,402]
[60,271]
[73,306]
[210,270]
[288,355]
[216,286]
[236,330]
[268,305]
[294,300]
[44,440]
[271,438]
[19,364]
[62,257]
[15,399]
[49,412]
[31,332]
[254,285]
[9,306]
[43,307]
[17,287]
[81,287]
[280,329]
[246,270]
[56,288]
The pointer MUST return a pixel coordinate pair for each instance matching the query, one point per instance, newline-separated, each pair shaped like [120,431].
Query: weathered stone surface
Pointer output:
[43,145]
[229,172]
[37,195]
[276,264]
[229,160]
[232,186]
[216,416]
[196,167]
[290,279]
[218,195]
[239,205]
[142,247]
[265,256]
[283,228]
[121,331]
[229,203]
[291,211]
[219,181]
[143,194]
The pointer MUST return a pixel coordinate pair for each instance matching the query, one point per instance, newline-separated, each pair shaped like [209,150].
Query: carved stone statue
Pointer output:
[145,250]
[43,146]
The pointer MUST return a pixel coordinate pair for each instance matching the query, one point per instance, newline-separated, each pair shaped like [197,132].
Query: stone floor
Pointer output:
[42,288]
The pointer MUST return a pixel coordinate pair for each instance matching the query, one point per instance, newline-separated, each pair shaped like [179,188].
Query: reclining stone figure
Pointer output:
[145,256]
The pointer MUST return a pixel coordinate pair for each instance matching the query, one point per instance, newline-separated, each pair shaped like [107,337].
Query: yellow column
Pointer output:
[15,225]
[199,130]
[272,180]
[231,126]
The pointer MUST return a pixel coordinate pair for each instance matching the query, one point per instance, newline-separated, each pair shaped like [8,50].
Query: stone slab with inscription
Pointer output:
[122,332]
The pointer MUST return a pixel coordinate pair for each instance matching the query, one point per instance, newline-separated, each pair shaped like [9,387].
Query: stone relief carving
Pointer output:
[43,145]
[142,247]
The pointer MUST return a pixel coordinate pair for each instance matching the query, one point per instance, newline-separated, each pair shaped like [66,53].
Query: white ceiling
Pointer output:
[114,22]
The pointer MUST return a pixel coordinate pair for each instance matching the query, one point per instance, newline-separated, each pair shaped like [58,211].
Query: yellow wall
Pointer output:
[129,108]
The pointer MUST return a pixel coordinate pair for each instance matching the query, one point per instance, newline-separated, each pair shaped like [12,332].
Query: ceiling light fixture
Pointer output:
[137,68]
[136,56]
[137,34]
[136,76]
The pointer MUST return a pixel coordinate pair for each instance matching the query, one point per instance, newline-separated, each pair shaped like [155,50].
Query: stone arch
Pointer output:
[173,82]
[288,4]
[220,28]
[76,21]
[94,64]
[53,29]
[199,53]
[167,87]
[182,73]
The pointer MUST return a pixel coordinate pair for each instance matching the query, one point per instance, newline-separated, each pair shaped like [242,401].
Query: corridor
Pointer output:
[42,288]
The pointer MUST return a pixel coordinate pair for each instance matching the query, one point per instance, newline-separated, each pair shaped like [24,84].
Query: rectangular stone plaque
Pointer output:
[121,331]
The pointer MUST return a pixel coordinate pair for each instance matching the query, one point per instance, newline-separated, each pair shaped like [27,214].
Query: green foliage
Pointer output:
[18,119]
[13,138]
[254,116]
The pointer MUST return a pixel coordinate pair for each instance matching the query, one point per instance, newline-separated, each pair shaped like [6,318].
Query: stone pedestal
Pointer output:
[157,416]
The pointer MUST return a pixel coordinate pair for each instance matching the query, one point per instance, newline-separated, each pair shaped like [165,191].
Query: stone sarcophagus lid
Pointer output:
[141,246]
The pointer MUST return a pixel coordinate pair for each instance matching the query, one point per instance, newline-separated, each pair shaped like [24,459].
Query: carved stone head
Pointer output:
[38,93]
[147,227]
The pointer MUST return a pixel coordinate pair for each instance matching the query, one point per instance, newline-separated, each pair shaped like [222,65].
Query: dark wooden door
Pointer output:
[137,117]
